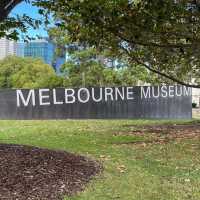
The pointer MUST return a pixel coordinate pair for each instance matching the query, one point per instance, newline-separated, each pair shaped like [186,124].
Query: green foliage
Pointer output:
[163,36]
[194,105]
[18,72]
[87,67]
[16,25]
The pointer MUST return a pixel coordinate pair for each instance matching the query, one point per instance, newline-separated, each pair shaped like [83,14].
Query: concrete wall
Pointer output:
[166,102]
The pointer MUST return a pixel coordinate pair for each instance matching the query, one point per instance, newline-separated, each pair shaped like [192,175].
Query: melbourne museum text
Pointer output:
[97,102]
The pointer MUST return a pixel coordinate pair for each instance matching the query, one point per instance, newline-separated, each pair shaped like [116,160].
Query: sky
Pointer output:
[24,8]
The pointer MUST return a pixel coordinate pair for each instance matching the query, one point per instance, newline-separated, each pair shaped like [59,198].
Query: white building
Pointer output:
[7,47]
[196,96]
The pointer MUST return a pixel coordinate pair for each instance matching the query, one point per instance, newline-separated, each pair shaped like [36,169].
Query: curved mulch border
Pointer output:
[162,134]
[30,173]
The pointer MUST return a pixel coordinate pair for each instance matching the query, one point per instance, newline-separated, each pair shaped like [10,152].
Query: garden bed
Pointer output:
[41,174]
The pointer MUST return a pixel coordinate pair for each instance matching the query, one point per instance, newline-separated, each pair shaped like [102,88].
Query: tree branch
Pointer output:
[134,58]
[153,44]
[6,7]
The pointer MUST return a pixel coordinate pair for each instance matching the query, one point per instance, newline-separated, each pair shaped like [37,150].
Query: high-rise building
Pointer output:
[7,48]
[20,49]
[44,49]
[41,48]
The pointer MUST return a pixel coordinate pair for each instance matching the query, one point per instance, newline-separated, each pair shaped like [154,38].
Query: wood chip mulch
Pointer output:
[162,134]
[30,173]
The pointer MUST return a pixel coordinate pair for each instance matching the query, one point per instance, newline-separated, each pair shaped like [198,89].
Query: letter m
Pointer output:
[145,94]
[20,98]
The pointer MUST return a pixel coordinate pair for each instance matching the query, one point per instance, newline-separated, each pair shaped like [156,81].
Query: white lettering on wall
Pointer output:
[42,97]
[171,91]
[20,96]
[129,92]
[100,95]
[84,95]
[145,94]
[187,91]
[55,98]
[119,93]
[178,94]
[69,96]
[156,94]
[108,93]
[164,91]
[86,92]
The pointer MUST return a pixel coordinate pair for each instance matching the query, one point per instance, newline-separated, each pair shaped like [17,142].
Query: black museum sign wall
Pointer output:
[163,102]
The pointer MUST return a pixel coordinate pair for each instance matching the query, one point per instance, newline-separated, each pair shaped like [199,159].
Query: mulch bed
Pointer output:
[161,134]
[30,173]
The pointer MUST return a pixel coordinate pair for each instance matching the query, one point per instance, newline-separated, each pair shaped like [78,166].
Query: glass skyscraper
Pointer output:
[20,49]
[42,48]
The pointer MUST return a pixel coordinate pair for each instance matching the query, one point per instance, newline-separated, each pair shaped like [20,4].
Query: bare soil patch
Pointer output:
[29,173]
[165,133]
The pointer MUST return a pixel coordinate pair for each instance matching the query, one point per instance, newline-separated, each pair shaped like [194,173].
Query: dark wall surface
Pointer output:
[166,102]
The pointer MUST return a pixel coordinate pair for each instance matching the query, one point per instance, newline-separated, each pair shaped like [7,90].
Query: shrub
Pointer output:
[194,105]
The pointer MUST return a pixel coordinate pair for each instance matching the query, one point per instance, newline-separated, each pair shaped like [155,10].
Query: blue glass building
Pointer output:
[45,50]
[59,61]
[42,48]
[20,49]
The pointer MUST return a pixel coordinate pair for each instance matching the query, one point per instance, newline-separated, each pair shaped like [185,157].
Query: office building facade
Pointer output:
[45,50]
[42,48]
[7,48]
[20,49]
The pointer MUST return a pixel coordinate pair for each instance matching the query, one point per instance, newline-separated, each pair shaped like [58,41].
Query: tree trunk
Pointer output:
[6,6]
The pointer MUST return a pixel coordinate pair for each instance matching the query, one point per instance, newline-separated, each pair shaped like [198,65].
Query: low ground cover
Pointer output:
[142,159]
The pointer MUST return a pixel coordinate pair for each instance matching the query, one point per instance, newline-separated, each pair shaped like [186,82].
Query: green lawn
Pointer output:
[131,172]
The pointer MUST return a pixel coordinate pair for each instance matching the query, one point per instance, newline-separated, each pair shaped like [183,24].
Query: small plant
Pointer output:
[194,105]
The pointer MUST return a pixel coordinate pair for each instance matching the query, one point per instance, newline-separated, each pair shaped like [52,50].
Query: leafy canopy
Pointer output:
[88,67]
[18,72]
[161,35]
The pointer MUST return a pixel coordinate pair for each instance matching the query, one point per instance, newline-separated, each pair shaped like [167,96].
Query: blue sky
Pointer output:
[32,12]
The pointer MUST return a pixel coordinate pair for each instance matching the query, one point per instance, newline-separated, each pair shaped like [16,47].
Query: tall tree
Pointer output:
[18,72]
[87,67]
[161,35]
[11,25]
[6,6]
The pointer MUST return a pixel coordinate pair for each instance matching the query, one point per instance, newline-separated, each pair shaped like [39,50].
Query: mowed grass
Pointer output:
[131,172]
